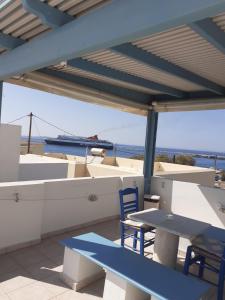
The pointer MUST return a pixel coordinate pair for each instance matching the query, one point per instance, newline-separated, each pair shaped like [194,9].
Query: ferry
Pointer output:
[92,141]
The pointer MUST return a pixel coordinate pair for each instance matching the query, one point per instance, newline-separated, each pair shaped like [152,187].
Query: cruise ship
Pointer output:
[92,141]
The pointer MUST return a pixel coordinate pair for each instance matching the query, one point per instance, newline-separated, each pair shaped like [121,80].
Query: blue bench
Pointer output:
[140,272]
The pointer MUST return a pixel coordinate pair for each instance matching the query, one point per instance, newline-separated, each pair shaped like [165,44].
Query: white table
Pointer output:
[169,227]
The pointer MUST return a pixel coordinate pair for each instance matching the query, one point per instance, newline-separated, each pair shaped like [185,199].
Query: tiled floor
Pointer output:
[33,273]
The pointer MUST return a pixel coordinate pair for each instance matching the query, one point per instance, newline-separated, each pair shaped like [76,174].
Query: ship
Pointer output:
[90,142]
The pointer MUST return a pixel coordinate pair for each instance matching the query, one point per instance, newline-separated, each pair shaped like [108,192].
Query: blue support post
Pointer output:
[1,95]
[150,143]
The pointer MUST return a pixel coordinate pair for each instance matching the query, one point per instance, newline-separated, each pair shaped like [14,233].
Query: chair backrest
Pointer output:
[129,206]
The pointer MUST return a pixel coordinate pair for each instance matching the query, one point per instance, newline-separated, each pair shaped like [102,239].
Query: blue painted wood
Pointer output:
[122,76]
[9,42]
[163,65]
[211,32]
[136,98]
[150,144]
[103,28]
[215,233]
[128,206]
[145,274]
[49,15]
[193,256]
[138,234]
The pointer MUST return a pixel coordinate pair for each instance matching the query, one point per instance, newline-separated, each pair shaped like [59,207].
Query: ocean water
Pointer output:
[129,151]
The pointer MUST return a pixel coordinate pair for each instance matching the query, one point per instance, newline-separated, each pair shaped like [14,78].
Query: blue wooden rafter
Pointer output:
[9,42]
[210,31]
[134,97]
[49,15]
[122,76]
[102,28]
[163,65]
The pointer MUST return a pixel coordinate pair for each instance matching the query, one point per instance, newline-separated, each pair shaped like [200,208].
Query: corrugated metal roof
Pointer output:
[181,46]
[119,62]
[220,21]
[93,76]
[185,48]
[14,20]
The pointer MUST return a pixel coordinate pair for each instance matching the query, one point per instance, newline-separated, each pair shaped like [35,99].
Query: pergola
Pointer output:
[140,56]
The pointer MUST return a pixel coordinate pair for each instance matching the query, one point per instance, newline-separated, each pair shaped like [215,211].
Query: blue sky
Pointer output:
[201,130]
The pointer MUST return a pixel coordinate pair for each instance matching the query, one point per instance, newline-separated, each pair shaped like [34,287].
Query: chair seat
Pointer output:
[208,247]
[137,225]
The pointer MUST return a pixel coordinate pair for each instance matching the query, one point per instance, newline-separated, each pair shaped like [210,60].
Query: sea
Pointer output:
[132,150]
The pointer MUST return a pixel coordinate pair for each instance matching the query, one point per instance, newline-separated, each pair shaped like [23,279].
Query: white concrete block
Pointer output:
[119,289]
[78,271]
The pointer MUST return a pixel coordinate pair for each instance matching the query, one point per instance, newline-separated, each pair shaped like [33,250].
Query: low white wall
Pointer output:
[37,167]
[67,203]
[95,170]
[20,221]
[206,178]
[46,207]
[42,171]
[9,152]
[135,164]
[191,200]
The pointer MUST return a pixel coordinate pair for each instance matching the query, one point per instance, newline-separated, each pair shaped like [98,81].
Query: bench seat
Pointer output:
[141,272]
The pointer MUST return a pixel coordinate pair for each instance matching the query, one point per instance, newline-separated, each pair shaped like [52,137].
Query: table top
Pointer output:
[173,223]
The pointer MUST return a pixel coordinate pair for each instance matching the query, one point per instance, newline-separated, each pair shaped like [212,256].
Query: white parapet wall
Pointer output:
[203,176]
[191,200]
[21,210]
[37,167]
[9,152]
[72,202]
[31,210]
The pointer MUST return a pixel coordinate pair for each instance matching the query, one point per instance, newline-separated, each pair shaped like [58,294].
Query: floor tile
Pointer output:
[14,280]
[91,292]
[7,264]
[43,269]
[31,292]
[54,284]
[27,256]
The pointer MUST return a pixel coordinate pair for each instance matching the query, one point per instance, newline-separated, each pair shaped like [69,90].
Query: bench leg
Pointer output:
[119,289]
[78,271]
[166,248]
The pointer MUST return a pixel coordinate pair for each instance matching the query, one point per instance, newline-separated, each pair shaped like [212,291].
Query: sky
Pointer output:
[201,130]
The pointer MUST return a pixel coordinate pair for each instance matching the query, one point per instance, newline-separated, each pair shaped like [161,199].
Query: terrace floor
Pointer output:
[32,273]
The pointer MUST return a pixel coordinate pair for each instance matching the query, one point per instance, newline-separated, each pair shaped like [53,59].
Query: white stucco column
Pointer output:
[9,152]
[166,248]
[78,271]
[119,289]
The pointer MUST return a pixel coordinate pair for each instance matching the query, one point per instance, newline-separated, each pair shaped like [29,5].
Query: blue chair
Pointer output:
[208,252]
[130,228]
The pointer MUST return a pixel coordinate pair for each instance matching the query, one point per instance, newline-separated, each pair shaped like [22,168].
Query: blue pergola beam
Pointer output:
[163,65]
[121,76]
[150,144]
[1,96]
[211,32]
[105,27]
[131,95]
[49,15]
[9,42]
